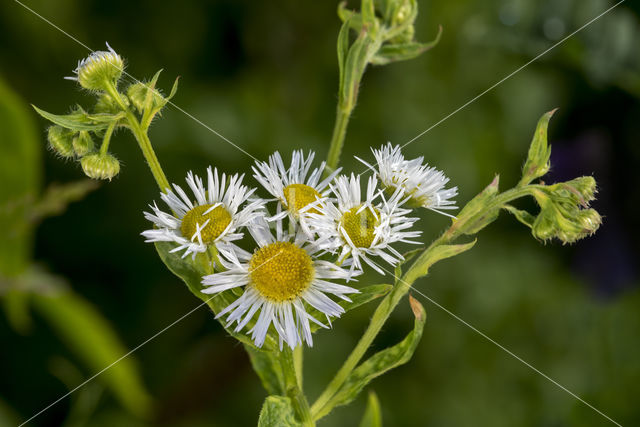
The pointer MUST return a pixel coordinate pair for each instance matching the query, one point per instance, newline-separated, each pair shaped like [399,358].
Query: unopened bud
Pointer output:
[583,189]
[60,141]
[100,166]
[99,69]
[83,143]
[106,104]
[138,93]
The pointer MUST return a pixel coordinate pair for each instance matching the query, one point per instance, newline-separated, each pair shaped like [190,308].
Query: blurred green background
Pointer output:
[264,75]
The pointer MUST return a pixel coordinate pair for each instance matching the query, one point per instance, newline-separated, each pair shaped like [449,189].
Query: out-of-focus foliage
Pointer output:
[25,287]
[264,75]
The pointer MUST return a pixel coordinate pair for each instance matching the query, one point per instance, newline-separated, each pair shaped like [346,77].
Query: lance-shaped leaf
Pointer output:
[479,212]
[537,163]
[401,52]
[80,120]
[373,414]
[380,362]
[277,411]
[432,255]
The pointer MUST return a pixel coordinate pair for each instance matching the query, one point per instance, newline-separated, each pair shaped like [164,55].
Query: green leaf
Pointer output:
[479,212]
[20,165]
[191,273]
[401,52]
[343,48]
[91,337]
[537,163]
[368,12]
[174,89]
[432,255]
[523,216]
[366,294]
[355,19]
[277,411]
[381,362]
[373,414]
[80,120]
[408,256]
[267,366]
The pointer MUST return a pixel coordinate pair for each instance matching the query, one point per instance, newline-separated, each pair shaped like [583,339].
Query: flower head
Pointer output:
[98,69]
[362,228]
[424,185]
[213,218]
[281,279]
[291,187]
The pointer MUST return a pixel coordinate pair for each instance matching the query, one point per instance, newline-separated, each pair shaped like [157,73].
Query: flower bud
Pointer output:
[99,69]
[60,141]
[106,104]
[137,93]
[83,143]
[582,189]
[100,166]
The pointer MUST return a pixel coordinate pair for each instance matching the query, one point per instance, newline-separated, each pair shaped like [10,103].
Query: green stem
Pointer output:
[293,390]
[147,150]
[143,140]
[380,316]
[107,138]
[323,405]
[337,140]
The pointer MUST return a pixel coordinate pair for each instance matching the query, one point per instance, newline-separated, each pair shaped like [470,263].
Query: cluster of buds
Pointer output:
[72,135]
[564,210]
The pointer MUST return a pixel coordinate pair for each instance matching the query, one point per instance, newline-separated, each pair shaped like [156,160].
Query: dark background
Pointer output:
[264,75]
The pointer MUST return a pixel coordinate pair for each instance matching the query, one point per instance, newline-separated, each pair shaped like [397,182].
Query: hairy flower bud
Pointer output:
[106,104]
[83,143]
[60,141]
[100,166]
[99,69]
[138,92]
[582,190]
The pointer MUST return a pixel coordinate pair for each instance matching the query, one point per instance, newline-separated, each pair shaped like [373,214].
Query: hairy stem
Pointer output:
[293,390]
[143,140]
[107,138]
[337,140]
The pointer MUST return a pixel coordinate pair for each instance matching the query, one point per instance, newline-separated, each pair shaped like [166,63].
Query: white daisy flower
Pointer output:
[423,184]
[100,66]
[281,279]
[359,228]
[213,218]
[291,187]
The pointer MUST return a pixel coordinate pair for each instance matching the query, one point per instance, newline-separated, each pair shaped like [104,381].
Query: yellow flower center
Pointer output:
[360,226]
[281,271]
[218,218]
[298,196]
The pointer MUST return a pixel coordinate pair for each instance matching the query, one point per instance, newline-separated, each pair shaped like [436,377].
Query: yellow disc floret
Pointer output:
[281,271]
[360,225]
[298,196]
[218,218]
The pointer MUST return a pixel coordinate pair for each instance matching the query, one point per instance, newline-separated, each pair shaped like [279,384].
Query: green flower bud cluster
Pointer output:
[79,145]
[564,210]
[72,135]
